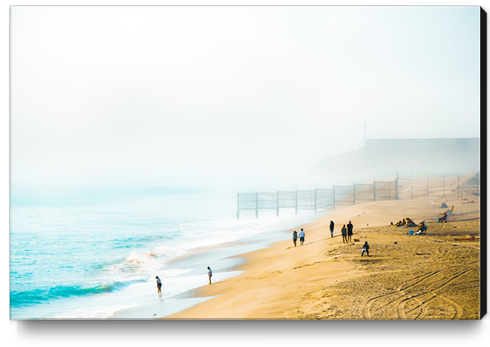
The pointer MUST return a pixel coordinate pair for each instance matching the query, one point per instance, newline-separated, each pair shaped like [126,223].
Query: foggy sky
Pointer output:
[230,96]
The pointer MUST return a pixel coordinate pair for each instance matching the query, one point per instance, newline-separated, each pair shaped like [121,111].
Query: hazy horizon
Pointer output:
[230,96]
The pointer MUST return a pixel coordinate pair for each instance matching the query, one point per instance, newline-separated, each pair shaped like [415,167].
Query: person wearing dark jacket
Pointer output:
[159,284]
[365,248]
[349,231]
[332,226]
[344,234]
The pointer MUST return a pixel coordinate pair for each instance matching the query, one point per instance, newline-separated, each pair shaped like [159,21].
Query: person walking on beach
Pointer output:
[344,234]
[365,248]
[302,236]
[159,284]
[349,231]
[332,225]
[210,274]
[295,237]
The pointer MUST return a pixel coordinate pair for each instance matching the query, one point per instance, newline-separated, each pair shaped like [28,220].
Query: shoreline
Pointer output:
[251,262]
[225,259]
[284,282]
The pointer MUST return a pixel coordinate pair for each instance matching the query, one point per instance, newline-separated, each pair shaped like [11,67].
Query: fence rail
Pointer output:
[347,195]
[315,199]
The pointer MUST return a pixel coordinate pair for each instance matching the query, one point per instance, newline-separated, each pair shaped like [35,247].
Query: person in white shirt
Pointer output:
[210,274]
[301,236]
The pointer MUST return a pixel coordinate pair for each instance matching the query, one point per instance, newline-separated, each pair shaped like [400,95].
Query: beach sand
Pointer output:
[429,276]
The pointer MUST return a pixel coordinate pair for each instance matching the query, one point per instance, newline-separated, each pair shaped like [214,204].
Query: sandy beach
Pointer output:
[433,276]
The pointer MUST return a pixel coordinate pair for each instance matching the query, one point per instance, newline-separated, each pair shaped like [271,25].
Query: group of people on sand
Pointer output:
[301,237]
[406,222]
[347,231]
[159,281]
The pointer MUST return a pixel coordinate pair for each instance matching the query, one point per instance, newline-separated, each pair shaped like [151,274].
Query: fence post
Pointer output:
[354,199]
[443,186]
[237,205]
[374,190]
[315,200]
[256,205]
[478,184]
[277,211]
[396,187]
[333,202]
[296,207]
[427,186]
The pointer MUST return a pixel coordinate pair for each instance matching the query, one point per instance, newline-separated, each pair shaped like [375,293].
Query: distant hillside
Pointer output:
[433,156]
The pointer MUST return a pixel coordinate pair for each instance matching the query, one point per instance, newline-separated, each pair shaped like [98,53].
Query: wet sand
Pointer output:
[429,276]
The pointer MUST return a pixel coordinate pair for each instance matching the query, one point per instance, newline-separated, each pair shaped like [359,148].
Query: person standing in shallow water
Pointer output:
[332,226]
[295,237]
[159,284]
[210,274]
[349,231]
[301,236]
[344,234]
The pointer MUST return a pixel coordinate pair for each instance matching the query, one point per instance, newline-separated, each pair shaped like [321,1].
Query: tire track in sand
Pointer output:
[423,305]
[367,306]
[457,309]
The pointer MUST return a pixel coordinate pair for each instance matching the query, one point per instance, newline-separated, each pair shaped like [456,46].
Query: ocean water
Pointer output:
[88,253]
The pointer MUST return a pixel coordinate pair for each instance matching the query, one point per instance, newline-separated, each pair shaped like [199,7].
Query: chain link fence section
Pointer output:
[316,200]
[246,201]
[267,201]
[305,200]
[385,190]
[363,192]
[299,200]
[423,185]
[471,186]
[324,199]
[407,185]
[287,199]
[344,195]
